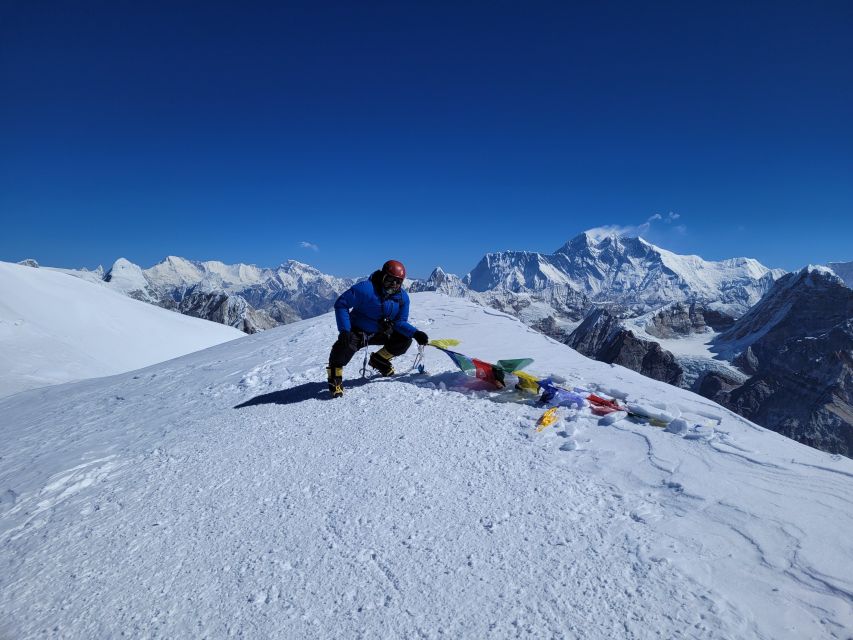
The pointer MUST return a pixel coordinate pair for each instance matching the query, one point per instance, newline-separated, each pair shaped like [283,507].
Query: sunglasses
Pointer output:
[391,281]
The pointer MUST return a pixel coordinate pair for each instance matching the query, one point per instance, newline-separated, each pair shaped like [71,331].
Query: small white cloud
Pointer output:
[309,245]
[606,231]
[633,231]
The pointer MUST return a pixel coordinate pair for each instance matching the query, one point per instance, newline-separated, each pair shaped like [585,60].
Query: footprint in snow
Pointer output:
[8,498]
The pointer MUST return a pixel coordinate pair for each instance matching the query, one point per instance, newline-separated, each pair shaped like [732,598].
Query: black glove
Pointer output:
[355,340]
[420,337]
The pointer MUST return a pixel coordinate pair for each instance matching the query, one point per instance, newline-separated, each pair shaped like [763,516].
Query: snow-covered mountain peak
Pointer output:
[597,235]
[300,270]
[128,278]
[810,276]
[515,271]
[174,271]
[122,264]
[813,296]
[233,275]
[443,282]
[295,276]
[605,266]
[296,265]
[822,270]
[601,239]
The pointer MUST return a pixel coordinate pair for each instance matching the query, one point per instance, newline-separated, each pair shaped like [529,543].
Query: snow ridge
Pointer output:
[55,329]
[220,494]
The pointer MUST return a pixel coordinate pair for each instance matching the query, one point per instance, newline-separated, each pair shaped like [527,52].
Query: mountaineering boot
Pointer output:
[336,381]
[381,361]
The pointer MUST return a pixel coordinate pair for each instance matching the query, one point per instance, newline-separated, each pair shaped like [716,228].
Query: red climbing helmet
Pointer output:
[395,269]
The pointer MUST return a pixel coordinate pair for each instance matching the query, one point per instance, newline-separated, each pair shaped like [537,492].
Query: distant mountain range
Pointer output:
[607,269]
[614,298]
[628,276]
[243,296]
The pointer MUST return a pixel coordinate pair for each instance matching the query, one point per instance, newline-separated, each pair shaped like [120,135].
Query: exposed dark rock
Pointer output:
[677,320]
[646,357]
[602,336]
[594,333]
[680,320]
[550,327]
[226,309]
[716,386]
[29,262]
[717,320]
[282,312]
[806,391]
[747,361]
[805,303]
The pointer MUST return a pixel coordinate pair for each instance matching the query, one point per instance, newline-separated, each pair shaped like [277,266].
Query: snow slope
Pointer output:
[56,328]
[221,494]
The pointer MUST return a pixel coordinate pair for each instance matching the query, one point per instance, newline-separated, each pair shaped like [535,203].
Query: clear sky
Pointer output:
[342,134]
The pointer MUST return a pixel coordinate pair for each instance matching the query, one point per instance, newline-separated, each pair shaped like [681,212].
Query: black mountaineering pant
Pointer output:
[342,351]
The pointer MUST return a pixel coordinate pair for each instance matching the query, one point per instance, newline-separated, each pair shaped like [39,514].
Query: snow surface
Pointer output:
[55,328]
[222,494]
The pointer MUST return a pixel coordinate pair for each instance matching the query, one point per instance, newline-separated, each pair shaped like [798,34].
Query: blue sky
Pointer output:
[427,132]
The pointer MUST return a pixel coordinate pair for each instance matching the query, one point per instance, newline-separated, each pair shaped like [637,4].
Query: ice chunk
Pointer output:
[678,426]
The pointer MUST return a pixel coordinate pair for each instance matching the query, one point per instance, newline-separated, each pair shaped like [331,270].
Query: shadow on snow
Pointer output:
[299,393]
[453,381]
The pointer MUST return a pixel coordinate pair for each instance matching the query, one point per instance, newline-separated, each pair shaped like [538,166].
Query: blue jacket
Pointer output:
[363,305]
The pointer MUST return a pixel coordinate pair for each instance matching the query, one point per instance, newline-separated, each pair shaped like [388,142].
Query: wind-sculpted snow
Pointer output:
[222,494]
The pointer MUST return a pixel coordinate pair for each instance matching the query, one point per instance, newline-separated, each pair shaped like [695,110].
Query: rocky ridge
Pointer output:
[601,336]
[797,346]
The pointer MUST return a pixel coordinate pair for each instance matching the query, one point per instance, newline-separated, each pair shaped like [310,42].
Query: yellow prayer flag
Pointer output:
[548,418]
[444,343]
[526,382]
